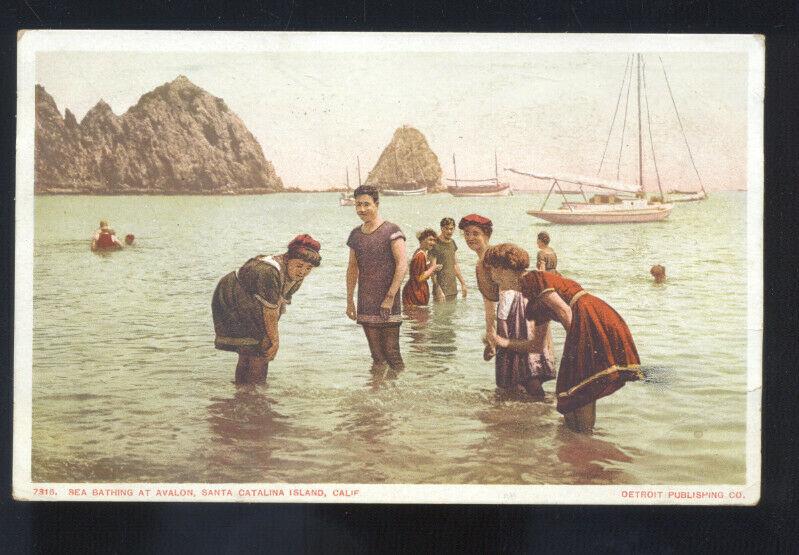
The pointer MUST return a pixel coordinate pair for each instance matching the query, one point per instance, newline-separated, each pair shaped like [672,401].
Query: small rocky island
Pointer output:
[177,139]
[407,163]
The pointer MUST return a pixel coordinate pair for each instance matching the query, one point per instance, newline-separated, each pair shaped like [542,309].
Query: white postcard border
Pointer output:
[32,42]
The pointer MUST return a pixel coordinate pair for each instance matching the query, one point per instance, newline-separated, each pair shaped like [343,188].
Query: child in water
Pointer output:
[513,368]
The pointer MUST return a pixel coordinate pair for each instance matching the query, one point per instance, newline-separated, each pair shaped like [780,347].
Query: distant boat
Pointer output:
[347,199]
[686,196]
[404,190]
[490,187]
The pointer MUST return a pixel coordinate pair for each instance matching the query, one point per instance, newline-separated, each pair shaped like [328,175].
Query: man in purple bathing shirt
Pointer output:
[377,265]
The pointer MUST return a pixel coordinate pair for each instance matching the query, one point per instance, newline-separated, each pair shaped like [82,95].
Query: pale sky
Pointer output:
[313,113]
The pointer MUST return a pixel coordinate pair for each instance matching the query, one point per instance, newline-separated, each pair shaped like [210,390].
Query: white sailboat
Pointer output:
[618,202]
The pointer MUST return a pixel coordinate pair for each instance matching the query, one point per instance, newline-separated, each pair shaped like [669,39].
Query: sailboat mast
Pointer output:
[496,167]
[348,178]
[358,160]
[640,151]
[455,169]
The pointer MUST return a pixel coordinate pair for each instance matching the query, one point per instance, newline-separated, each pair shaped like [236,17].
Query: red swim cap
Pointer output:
[474,219]
[305,241]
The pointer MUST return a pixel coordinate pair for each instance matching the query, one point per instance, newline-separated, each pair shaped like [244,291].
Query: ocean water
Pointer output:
[128,387]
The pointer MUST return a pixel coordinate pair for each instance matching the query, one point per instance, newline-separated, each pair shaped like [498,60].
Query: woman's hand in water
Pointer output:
[352,314]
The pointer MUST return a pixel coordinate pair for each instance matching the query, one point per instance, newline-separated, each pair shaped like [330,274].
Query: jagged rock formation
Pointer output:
[177,139]
[407,163]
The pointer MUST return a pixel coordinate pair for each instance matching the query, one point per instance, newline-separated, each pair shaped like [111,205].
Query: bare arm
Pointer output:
[438,293]
[459,275]
[352,280]
[536,343]
[560,308]
[490,308]
[400,268]
[271,341]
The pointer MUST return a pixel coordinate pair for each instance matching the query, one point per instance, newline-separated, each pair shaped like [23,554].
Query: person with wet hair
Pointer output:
[416,292]
[658,272]
[377,266]
[248,303]
[444,252]
[599,355]
[546,259]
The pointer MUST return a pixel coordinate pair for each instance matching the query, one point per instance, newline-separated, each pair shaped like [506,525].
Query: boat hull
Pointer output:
[582,217]
[476,192]
[404,193]
[686,197]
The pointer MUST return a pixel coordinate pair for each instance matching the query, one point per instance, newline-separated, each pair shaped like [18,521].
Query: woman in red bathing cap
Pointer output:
[477,231]
[248,303]
[504,315]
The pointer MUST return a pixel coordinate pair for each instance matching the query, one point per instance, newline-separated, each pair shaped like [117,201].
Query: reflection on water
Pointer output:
[127,385]
[247,416]
[591,459]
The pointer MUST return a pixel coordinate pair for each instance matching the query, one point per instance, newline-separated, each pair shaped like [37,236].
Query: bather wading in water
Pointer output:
[377,265]
[599,355]
[477,231]
[416,292]
[105,238]
[248,303]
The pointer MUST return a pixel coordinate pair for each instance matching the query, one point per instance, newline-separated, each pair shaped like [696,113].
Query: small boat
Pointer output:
[346,199]
[404,190]
[490,190]
[490,187]
[686,196]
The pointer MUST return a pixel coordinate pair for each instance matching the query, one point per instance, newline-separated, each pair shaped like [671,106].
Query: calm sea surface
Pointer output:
[127,385]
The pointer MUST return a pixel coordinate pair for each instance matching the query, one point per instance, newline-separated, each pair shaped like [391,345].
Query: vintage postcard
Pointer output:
[388,268]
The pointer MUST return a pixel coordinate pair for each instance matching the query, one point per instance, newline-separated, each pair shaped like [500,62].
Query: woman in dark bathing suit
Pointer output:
[248,303]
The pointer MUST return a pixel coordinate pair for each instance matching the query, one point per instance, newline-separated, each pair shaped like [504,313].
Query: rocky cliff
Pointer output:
[177,139]
[407,163]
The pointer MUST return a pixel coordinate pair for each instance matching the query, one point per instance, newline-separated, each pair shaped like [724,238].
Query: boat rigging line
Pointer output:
[679,120]
[651,141]
[624,123]
[615,112]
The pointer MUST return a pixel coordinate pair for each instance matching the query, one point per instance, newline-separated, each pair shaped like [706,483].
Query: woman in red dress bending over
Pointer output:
[416,291]
[599,355]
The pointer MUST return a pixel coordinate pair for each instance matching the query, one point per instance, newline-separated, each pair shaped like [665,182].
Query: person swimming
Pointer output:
[658,272]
